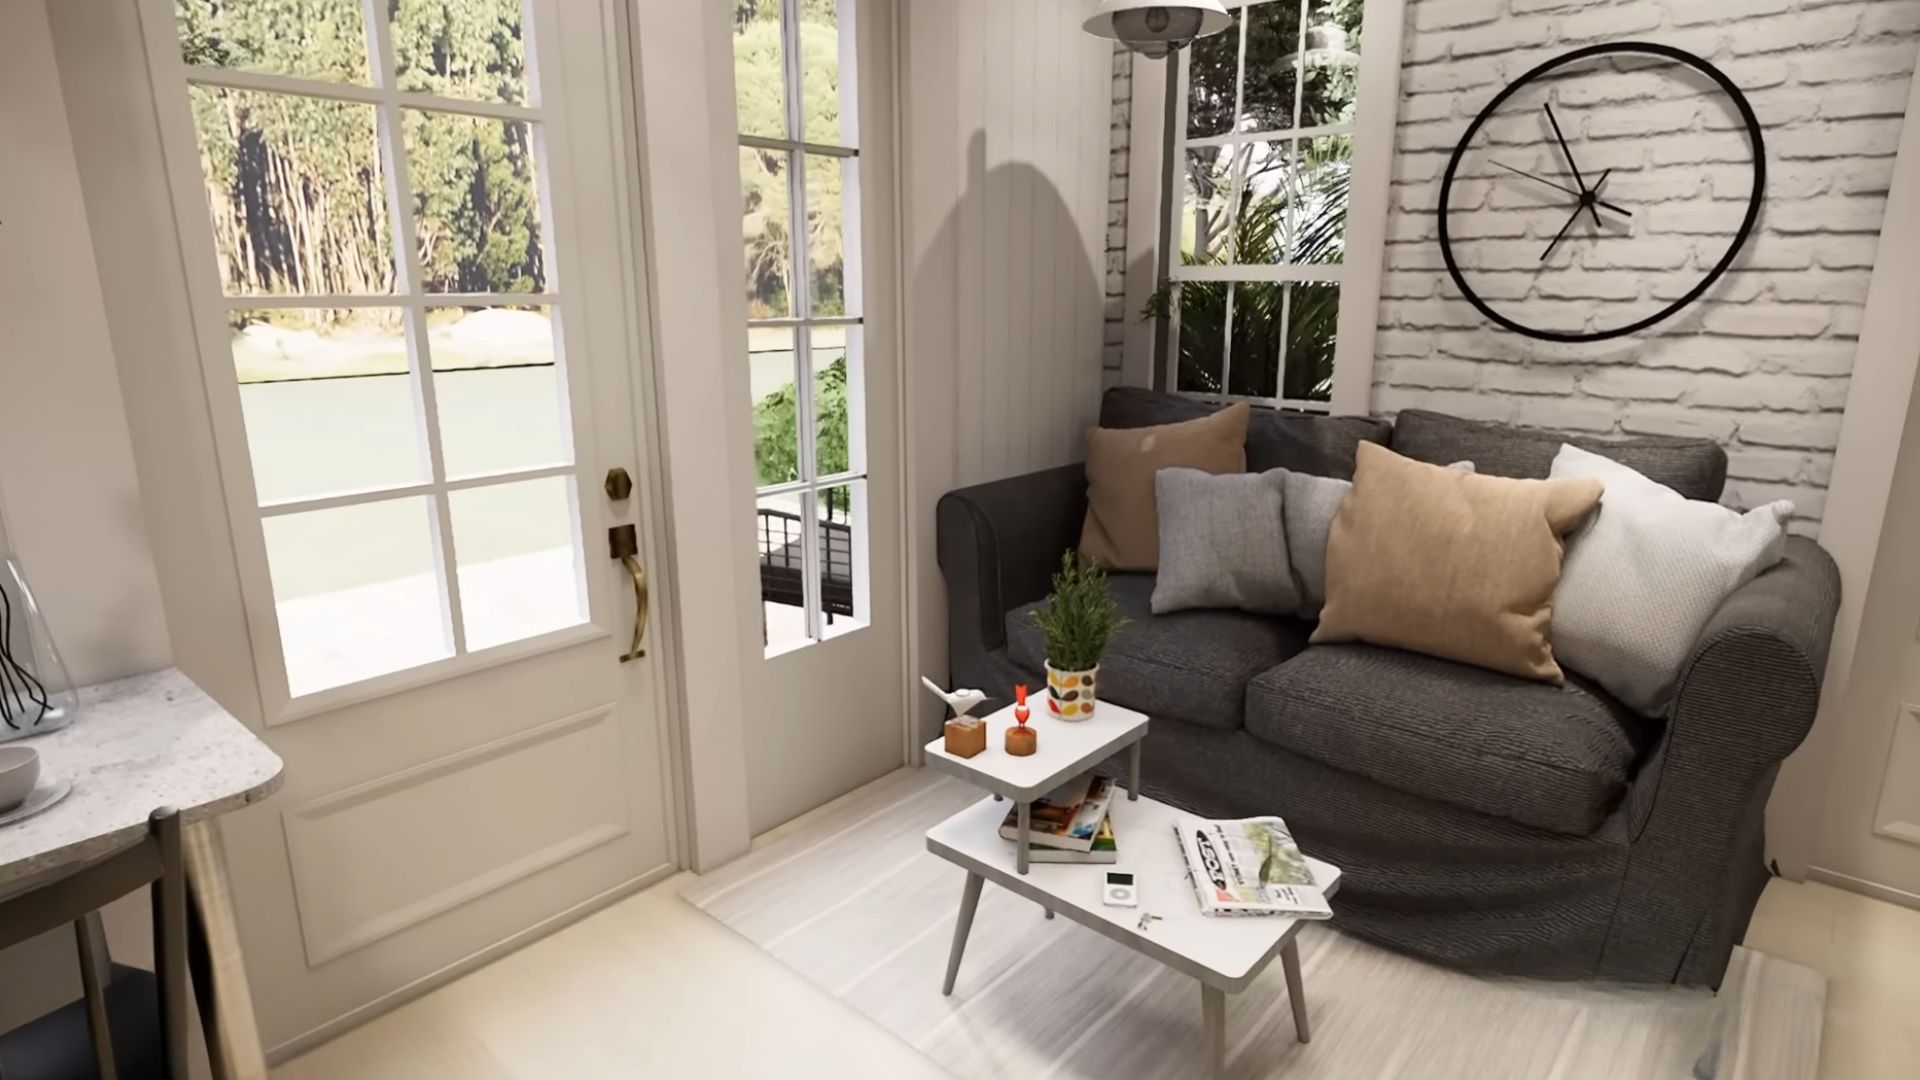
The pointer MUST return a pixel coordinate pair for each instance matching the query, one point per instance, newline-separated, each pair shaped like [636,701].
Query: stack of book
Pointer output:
[1249,867]
[1069,825]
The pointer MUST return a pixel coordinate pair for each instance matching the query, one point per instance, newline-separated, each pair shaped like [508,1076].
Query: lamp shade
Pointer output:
[1157,27]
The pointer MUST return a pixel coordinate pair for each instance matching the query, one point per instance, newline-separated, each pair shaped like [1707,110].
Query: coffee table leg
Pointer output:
[1020,852]
[1213,1020]
[1296,994]
[1133,773]
[969,900]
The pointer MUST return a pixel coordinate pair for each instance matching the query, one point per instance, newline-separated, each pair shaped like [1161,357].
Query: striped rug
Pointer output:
[850,898]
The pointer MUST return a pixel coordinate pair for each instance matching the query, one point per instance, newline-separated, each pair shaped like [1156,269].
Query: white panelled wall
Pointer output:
[1007,107]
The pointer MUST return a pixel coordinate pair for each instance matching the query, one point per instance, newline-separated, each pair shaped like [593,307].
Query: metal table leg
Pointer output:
[1133,773]
[969,901]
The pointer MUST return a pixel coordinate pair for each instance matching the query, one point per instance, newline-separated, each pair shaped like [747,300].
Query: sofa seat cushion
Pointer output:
[1553,757]
[1193,665]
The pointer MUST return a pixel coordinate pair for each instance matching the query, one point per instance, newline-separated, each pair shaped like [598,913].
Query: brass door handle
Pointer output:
[623,544]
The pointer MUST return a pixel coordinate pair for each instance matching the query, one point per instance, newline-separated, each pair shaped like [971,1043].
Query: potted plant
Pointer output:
[1078,620]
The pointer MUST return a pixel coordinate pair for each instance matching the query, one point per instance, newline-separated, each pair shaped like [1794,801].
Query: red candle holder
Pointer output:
[1021,739]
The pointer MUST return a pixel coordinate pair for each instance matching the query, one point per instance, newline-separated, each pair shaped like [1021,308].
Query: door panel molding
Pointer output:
[329,928]
[1897,814]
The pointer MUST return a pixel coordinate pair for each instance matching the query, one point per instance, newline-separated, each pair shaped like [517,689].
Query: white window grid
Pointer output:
[411,298]
[1286,273]
[800,320]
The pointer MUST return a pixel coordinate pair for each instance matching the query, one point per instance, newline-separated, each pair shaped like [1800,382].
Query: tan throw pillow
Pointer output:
[1122,532]
[1449,563]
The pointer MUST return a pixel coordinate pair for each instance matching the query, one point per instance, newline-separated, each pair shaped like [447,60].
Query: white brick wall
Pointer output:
[1121,140]
[1763,367]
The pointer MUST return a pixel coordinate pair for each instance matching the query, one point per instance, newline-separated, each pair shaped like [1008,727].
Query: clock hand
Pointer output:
[1604,204]
[1550,183]
[1563,149]
[1571,218]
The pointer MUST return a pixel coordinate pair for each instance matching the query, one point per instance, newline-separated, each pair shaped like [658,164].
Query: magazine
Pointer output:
[1066,818]
[1249,867]
[1106,849]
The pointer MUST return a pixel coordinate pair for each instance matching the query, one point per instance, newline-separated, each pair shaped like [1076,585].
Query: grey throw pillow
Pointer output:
[1222,543]
[1642,578]
[1310,504]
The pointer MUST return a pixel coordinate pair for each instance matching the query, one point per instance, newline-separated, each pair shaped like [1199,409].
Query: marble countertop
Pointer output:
[138,744]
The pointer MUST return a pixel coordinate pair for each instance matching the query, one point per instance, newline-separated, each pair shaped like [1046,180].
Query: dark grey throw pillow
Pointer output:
[1223,542]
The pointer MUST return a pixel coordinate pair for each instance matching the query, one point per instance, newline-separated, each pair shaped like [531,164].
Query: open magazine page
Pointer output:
[1249,867]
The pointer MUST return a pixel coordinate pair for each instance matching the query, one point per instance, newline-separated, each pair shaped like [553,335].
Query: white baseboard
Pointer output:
[1864,887]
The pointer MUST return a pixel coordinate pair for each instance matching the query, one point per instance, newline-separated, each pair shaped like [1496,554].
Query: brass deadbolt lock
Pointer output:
[619,485]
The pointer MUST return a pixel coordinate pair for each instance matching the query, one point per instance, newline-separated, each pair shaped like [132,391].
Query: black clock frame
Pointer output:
[1640,48]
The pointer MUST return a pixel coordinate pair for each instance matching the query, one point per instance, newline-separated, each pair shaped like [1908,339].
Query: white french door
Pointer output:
[408,231]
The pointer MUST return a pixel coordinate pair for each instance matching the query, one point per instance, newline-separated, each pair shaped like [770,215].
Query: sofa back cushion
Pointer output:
[1302,442]
[1696,468]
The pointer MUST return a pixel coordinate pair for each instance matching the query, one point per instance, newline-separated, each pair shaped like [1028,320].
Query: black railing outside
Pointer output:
[782,571]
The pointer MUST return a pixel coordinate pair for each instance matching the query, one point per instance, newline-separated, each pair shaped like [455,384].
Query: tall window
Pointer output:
[794,68]
[380,236]
[1260,160]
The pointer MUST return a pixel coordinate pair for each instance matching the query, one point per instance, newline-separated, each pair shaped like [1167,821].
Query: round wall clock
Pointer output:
[1602,192]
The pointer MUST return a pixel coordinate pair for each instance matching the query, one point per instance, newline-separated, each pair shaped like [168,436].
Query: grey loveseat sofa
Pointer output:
[1482,821]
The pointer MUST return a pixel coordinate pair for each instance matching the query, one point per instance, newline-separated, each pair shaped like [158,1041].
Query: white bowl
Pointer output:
[19,771]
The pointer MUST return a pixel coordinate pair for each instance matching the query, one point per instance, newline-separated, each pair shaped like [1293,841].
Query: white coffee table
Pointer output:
[1066,749]
[1224,954]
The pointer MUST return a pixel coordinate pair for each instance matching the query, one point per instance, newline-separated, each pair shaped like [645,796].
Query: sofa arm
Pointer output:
[1751,685]
[1747,697]
[999,545]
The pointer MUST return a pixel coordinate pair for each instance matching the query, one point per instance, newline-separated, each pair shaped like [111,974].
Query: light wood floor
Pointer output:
[652,987]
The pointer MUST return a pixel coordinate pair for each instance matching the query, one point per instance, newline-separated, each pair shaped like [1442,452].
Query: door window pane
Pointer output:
[1273,67]
[831,203]
[1213,65]
[476,203]
[767,224]
[295,193]
[357,592]
[771,378]
[832,445]
[842,514]
[501,402]
[519,560]
[783,603]
[759,78]
[1312,323]
[1203,334]
[828,111]
[460,48]
[328,402]
[306,39]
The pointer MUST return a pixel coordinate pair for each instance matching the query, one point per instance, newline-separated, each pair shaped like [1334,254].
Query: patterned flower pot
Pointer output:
[1070,694]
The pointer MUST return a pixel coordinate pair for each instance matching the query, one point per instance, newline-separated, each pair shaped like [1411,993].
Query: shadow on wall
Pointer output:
[1008,284]
[1027,310]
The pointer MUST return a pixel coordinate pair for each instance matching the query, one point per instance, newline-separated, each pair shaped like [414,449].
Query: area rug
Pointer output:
[849,897]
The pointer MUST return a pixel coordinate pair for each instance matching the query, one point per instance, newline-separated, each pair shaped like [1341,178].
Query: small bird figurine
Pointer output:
[960,701]
[1020,710]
